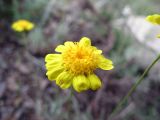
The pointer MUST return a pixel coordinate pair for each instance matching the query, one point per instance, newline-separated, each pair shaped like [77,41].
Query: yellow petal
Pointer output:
[105,64]
[81,83]
[157,20]
[14,25]
[97,51]
[51,57]
[63,79]
[17,28]
[66,85]
[60,48]
[30,26]
[52,74]
[158,36]
[95,82]
[150,18]
[69,44]
[85,41]
[52,65]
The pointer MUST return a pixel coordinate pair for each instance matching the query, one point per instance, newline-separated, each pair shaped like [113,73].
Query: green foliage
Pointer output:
[28,9]
[122,43]
[142,7]
[6,9]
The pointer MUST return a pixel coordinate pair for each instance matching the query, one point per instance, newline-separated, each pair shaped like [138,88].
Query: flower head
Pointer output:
[22,25]
[75,65]
[155,19]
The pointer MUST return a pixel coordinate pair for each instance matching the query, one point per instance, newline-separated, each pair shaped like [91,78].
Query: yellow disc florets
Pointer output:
[80,59]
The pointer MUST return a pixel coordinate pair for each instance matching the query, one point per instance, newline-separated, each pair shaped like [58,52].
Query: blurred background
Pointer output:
[117,27]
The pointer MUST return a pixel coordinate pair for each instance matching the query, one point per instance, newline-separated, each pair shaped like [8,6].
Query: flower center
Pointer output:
[23,24]
[80,59]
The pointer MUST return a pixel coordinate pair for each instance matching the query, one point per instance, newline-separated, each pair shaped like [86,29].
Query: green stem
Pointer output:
[134,87]
[24,38]
[70,96]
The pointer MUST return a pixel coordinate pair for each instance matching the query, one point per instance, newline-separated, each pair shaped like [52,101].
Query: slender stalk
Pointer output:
[71,95]
[134,87]
[24,40]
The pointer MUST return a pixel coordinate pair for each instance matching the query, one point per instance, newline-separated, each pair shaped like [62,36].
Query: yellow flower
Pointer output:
[158,36]
[76,64]
[22,25]
[155,19]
